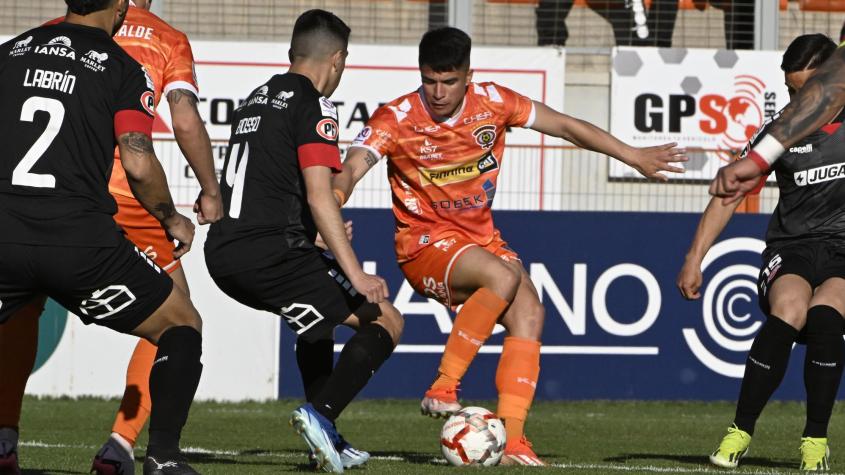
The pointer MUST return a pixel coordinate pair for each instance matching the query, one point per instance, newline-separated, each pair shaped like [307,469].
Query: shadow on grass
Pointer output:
[699,459]
[36,471]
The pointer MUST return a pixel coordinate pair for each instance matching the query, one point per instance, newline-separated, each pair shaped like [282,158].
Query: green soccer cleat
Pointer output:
[734,446]
[815,454]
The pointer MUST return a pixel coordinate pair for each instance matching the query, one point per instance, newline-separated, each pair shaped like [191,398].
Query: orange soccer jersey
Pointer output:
[165,54]
[443,174]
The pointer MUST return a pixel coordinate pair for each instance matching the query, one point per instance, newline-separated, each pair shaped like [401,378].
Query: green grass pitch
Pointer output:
[60,436]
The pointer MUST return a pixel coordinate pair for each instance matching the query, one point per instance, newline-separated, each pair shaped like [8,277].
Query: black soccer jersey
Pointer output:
[65,90]
[811,179]
[283,127]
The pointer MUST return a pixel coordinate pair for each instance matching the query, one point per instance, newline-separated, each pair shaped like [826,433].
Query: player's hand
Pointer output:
[650,161]
[319,242]
[208,207]
[690,279]
[371,286]
[181,229]
[734,181]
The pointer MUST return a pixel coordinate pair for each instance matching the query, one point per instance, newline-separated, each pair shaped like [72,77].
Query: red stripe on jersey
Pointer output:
[127,121]
[319,154]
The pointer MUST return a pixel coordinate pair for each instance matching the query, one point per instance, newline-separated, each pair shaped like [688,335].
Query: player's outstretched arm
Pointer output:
[149,185]
[649,161]
[358,161]
[326,213]
[196,147]
[817,103]
[712,223]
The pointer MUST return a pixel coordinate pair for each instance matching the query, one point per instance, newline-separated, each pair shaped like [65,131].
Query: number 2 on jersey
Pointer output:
[235,175]
[21,175]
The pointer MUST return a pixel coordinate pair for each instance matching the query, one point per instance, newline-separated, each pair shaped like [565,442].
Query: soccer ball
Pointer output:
[473,436]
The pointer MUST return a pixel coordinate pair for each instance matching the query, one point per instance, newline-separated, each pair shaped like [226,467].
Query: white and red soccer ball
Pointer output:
[473,436]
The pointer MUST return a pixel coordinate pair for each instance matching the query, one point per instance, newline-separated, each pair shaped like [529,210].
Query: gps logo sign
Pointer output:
[724,327]
[107,302]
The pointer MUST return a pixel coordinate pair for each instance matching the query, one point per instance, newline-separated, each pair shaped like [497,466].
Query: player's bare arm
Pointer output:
[358,161]
[712,223]
[330,225]
[649,161]
[816,104]
[193,140]
[149,185]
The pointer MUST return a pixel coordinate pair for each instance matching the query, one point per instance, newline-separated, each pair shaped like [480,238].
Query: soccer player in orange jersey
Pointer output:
[167,58]
[445,145]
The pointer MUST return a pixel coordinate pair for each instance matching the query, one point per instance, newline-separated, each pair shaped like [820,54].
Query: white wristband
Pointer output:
[769,149]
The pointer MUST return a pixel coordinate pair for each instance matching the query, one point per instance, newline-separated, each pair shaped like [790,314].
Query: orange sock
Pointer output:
[516,380]
[473,325]
[135,405]
[18,347]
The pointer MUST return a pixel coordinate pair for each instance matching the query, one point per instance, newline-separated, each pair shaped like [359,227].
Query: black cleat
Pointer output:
[163,465]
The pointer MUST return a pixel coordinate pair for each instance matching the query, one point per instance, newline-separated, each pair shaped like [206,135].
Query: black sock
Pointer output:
[315,361]
[822,367]
[173,382]
[362,355]
[764,370]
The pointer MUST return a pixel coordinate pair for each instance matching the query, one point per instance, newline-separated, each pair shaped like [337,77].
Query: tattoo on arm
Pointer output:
[164,210]
[177,95]
[371,159]
[816,104]
[137,142]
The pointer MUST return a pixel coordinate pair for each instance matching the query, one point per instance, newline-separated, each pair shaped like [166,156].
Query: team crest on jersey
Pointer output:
[485,136]
[94,60]
[21,47]
[58,46]
[327,128]
[148,101]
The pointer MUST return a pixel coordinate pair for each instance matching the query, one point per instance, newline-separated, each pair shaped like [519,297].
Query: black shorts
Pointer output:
[813,260]
[307,289]
[116,287]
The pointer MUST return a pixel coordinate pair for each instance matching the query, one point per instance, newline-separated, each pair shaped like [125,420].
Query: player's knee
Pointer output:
[504,281]
[790,311]
[392,321]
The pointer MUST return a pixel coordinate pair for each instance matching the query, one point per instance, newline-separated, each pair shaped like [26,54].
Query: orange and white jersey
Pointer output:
[443,174]
[166,55]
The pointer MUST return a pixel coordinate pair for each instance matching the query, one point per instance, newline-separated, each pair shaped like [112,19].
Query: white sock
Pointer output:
[123,443]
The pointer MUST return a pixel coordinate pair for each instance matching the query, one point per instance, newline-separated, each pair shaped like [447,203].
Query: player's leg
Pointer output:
[822,369]
[485,285]
[18,347]
[784,298]
[519,368]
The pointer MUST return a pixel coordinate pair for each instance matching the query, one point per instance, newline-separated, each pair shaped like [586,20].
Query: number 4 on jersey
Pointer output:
[235,176]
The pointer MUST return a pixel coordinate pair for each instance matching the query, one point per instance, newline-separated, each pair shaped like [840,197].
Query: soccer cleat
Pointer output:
[520,453]
[734,446]
[815,454]
[350,456]
[320,435]
[114,459]
[167,465]
[440,402]
[9,452]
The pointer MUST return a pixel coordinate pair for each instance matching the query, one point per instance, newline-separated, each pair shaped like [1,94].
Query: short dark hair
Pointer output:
[445,49]
[84,7]
[318,33]
[807,52]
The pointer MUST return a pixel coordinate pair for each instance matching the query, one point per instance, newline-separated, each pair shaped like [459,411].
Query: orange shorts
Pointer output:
[428,273]
[145,232]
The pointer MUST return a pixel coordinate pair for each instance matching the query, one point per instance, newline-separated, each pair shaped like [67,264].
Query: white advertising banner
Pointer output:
[708,100]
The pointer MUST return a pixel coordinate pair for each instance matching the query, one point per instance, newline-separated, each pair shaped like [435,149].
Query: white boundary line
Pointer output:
[546,350]
[587,467]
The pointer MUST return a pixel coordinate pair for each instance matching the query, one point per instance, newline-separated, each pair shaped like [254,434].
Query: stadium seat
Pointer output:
[822,5]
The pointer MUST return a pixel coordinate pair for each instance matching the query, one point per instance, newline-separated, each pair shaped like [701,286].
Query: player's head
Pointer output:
[320,38]
[145,4]
[444,67]
[802,57]
[112,10]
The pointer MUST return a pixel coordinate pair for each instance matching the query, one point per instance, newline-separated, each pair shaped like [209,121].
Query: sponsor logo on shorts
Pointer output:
[434,289]
[769,272]
[301,317]
[446,175]
[425,239]
[107,302]
[820,174]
